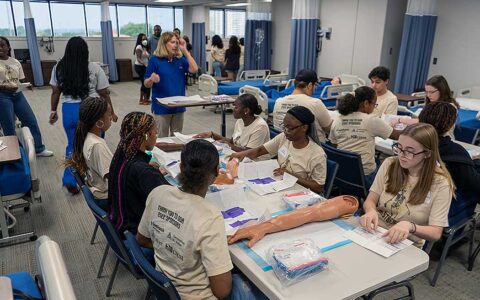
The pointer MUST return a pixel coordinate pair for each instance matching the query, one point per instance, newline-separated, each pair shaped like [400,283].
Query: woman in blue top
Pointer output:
[166,76]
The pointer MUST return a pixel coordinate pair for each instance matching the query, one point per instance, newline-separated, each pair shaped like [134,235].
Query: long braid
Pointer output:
[134,127]
[72,71]
[92,109]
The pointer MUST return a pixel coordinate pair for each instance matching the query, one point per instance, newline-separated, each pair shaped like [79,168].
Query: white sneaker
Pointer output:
[45,153]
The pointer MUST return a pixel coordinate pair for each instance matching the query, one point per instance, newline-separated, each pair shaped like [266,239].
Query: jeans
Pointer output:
[243,289]
[141,69]
[15,104]
[70,113]
[217,68]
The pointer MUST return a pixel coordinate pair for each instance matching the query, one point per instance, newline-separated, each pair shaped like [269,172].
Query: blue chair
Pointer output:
[159,285]
[332,169]
[80,183]
[350,178]
[466,134]
[113,241]
[273,132]
[462,223]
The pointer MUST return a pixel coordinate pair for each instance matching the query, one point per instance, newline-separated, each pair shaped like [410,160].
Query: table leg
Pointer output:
[224,126]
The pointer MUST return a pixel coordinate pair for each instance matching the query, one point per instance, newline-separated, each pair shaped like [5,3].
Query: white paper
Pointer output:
[23,86]
[257,169]
[169,160]
[263,189]
[181,99]
[165,140]
[236,197]
[375,241]
[185,138]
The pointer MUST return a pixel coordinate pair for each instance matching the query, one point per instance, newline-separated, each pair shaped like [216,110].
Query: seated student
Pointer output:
[297,148]
[436,90]
[131,178]
[250,131]
[355,128]
[305,83]
[465,175]
[412,192]
[387,102]
[91,156]
[197,259]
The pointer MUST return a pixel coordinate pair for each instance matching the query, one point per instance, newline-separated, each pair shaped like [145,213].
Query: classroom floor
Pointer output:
[67,220]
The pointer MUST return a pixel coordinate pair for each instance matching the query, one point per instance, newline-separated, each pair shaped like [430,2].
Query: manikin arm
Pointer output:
[327,210]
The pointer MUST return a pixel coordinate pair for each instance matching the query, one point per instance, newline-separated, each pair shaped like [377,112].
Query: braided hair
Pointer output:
[441,115]
[72,72]
[92,109]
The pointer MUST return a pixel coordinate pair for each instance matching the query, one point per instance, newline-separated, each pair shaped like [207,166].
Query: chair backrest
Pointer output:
[261,97]
[207,85]
[273,132]
[462,208]
[350,178]
[54,278]
[160,285]
[466,134]
[80,181]
[254,74]
[113,238]
[332,169]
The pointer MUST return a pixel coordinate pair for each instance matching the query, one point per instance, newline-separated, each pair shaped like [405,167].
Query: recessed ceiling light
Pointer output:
[238,4]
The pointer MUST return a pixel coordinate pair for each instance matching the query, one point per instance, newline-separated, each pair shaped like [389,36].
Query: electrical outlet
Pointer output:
[434,60]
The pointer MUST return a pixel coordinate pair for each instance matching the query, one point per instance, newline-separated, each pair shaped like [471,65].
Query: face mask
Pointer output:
[144,42]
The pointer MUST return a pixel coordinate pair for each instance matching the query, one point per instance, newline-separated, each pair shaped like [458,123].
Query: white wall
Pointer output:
[457,43]
[281,32]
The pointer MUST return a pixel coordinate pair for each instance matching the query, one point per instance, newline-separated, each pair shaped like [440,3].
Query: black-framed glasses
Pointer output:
[290,129]
[406,153]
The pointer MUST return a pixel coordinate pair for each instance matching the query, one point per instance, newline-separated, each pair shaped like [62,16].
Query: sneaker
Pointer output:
[45,153]
[72,189]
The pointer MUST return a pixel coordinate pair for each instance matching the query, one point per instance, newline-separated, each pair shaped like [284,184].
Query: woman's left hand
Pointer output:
[398,232]
[278,172]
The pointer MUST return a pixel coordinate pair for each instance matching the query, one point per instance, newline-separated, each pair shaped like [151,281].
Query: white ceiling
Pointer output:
[182,3]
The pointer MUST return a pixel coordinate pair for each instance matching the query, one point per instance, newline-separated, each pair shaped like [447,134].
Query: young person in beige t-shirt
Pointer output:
[387,102]
[412,192]
[297,149]
[251,130]
[91,156]
[305,83]
[187,232]
[355,128]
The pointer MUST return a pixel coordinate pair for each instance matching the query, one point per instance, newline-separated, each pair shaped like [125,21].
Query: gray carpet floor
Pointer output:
[67,220]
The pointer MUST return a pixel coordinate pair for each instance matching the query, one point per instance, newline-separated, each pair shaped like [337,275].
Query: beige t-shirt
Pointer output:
[395,208]
[356,132]
[188,235]
[251,136]
[386,104]
[10,72]
[218,54]
[308,163]
[316,106]
[98,157]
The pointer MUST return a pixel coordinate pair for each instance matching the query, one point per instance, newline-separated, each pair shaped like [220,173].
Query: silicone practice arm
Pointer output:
[327,210]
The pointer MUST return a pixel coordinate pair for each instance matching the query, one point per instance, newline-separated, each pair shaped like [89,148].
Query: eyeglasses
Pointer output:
[431,92]
[406,153]
[289,129]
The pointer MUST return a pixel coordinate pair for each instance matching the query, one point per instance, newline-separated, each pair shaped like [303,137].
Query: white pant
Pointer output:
[168,124]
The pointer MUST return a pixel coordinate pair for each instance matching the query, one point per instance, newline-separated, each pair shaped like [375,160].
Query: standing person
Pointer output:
[13,102]
[242,56]
[154,38]
[73,79]
[189,46]
[218,55]
[166,76]
[387,102]
[412,192]
[141,63]
[232,58]
[177,32]
[131,178]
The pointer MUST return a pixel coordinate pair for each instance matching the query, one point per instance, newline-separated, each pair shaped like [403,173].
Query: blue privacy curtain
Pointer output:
[32,45]
[198,45]
[303,43]
[108,50]
[258,36]
[416,48]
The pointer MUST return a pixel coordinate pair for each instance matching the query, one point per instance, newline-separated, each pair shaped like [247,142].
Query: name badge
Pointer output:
[283,151]
[428,200]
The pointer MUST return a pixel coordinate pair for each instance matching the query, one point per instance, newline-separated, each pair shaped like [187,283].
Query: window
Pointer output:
[41,15]
[162,16]
[179,18]
[131,20]
[68,19]
[7,26]
[94,12]
[234,23]
[216,22]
